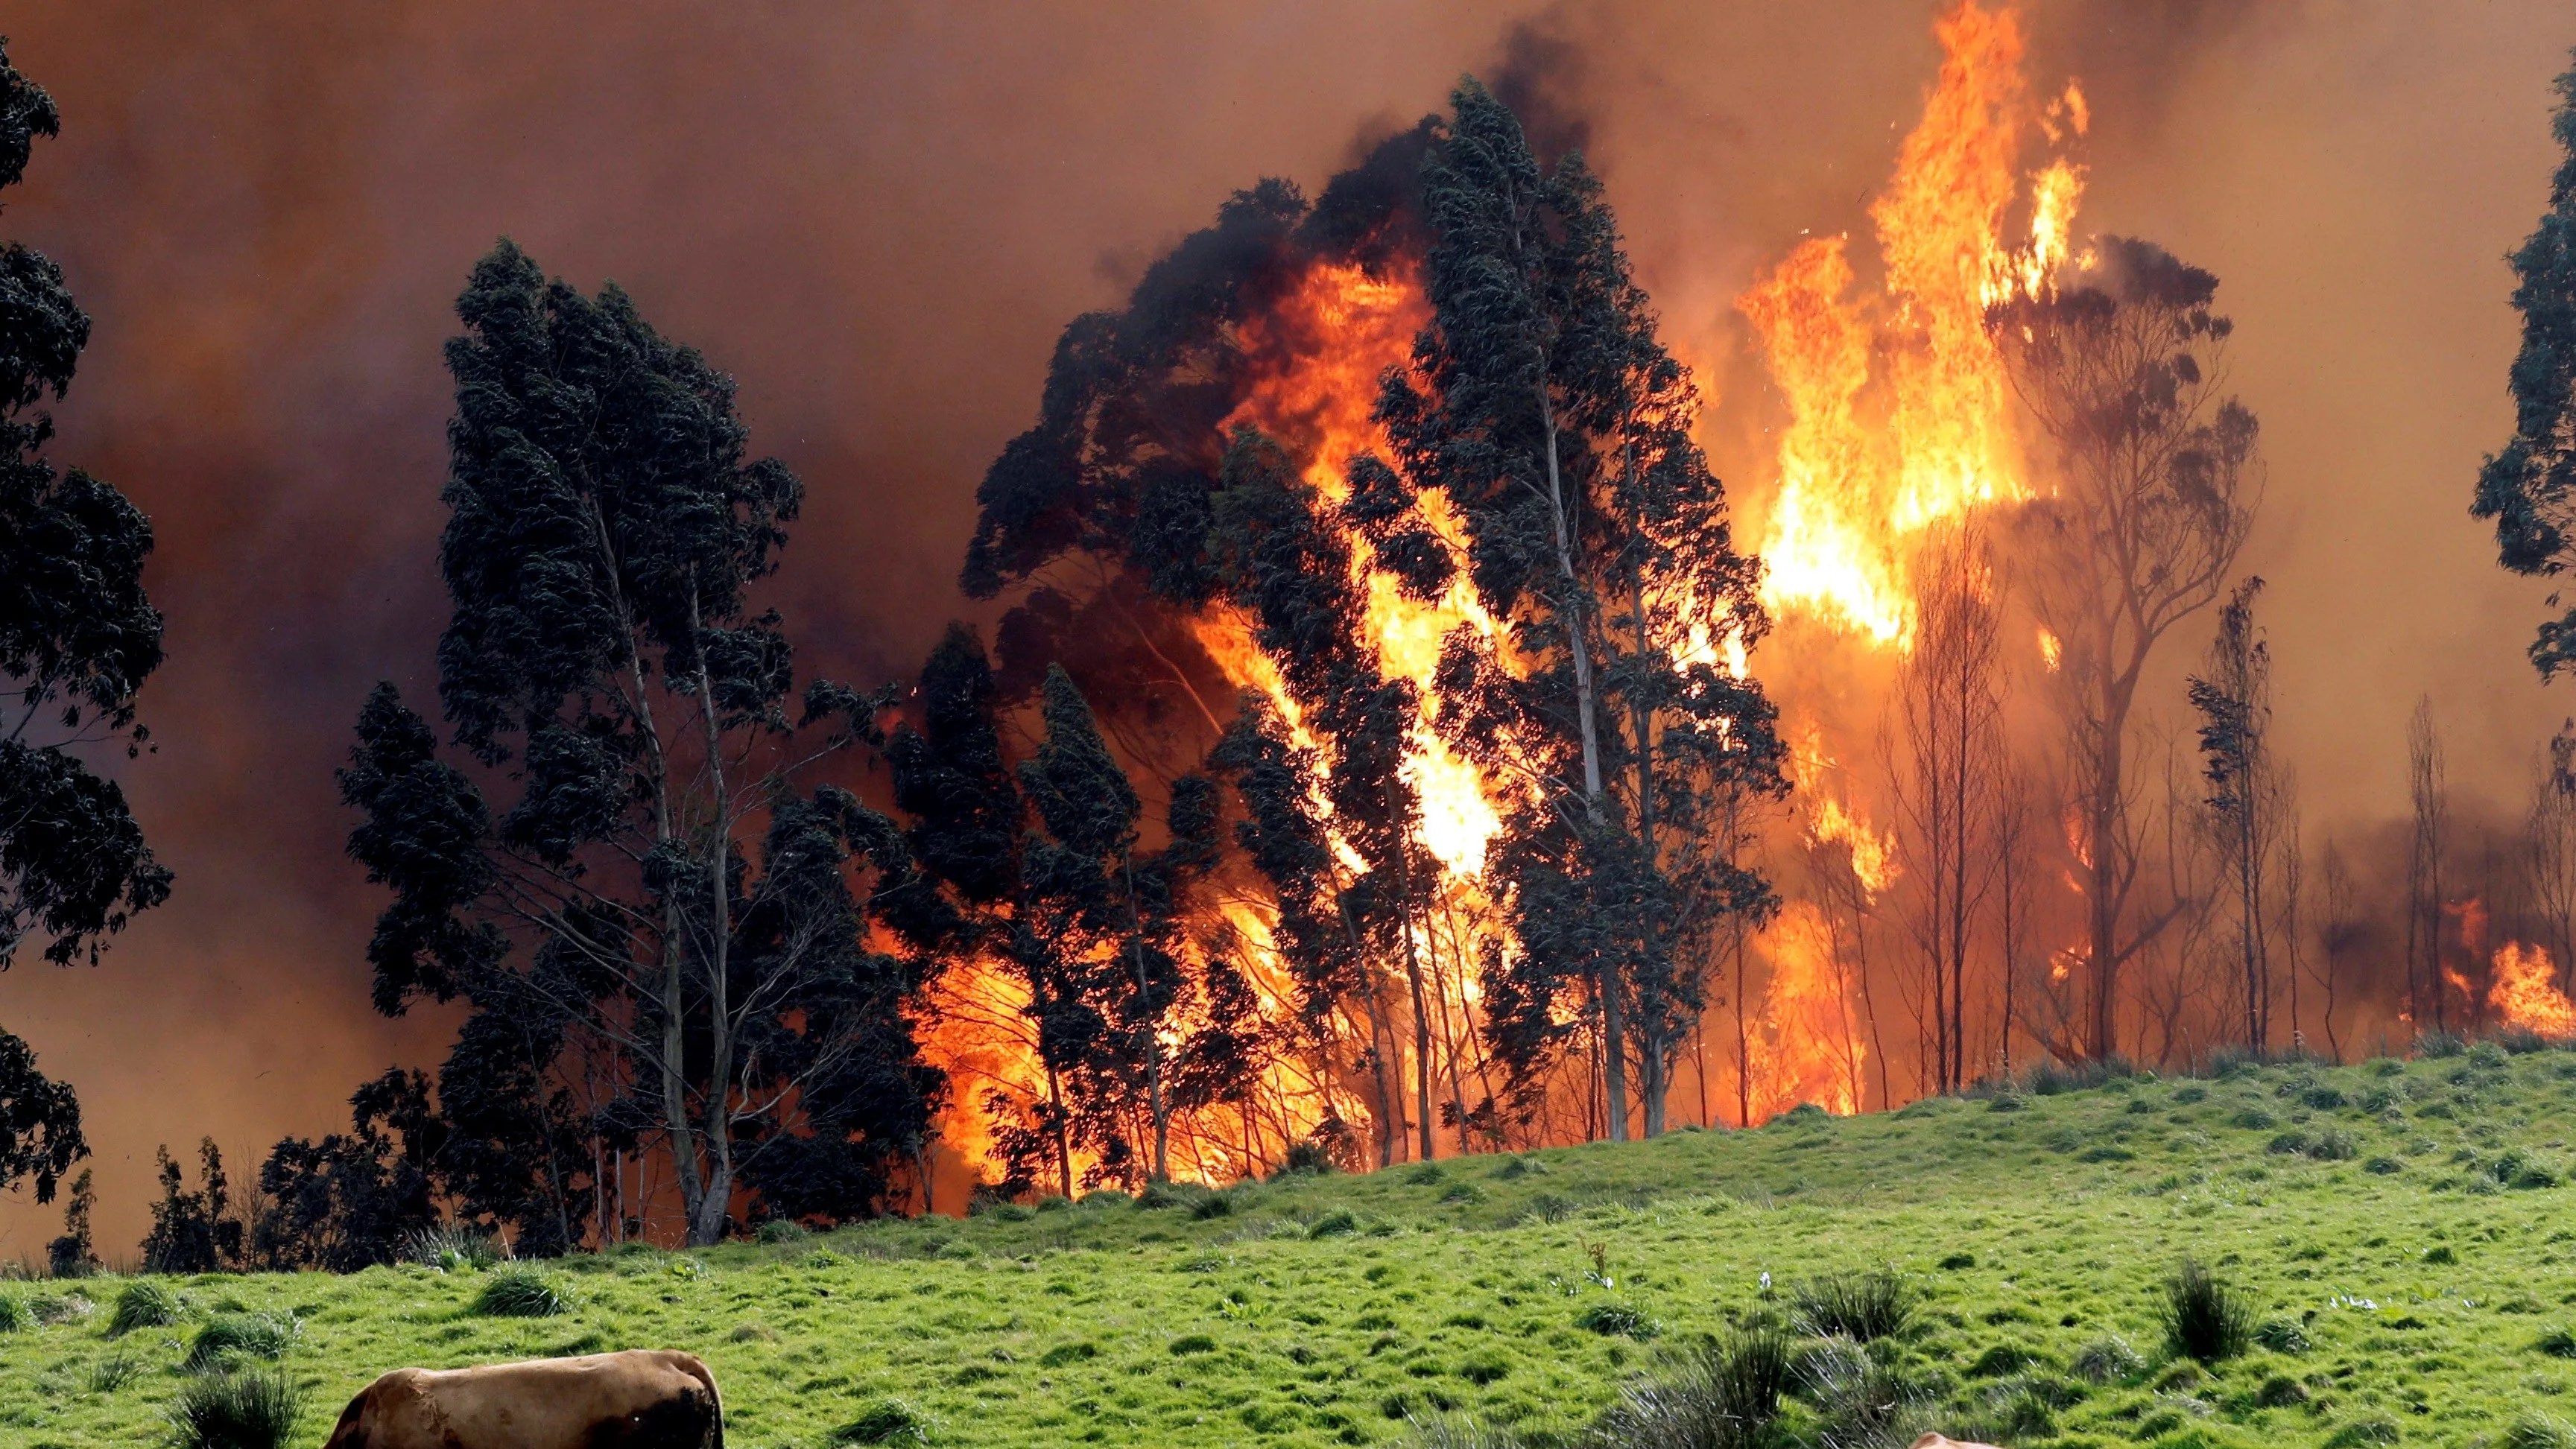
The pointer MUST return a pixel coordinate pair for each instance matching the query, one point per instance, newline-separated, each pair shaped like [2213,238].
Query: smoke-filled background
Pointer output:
[878,218]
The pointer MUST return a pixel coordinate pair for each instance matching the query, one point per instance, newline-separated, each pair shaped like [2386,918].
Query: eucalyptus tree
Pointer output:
[1541,402]
[2527,486]
[2234,700]
[78,638]
[2123,365]
[669,876]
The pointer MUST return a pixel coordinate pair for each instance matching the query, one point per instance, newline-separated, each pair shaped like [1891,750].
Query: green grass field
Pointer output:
[2405,1218]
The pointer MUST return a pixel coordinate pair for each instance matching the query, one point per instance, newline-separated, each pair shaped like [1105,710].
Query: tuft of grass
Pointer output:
[520,1293]
[2372,1429]
[2283,1335]
[2557,1343]
[1726,1396]
[2532,1429]
[114,1372]
[783,1230]
[254,1409]
[2108,1361]
[1339,1223]
[228,1337]
[2204,1319]
[15,1315]
[146,1303]
[450,1247]
[1858,1306]
[885,1421]
[1615,1320]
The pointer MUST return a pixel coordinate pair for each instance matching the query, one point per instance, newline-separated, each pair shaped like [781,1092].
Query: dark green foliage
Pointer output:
[15,1316]
[345,1202]
[73,1255]
[253,1409]
[519,1293]
[145,1303]
[40,1123]
[1339,1223]
[77,636]
[193,1232]
[2205,1319]
[228,1337]
[663,885]
[2527,486]
[1858,1306]
[1307,1156]
[1543,404]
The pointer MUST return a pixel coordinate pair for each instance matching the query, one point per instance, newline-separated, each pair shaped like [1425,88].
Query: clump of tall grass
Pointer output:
[1726,1396]
[254,1409]
[2204,1319]
[1859,1306]
[2108,1361]
[15,1315]
[452,1246]
[228,1337]
[146,1303]
[885,1421]
[520,1293]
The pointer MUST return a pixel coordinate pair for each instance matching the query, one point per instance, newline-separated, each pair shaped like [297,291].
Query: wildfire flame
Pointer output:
[1897,401]
[2523,989]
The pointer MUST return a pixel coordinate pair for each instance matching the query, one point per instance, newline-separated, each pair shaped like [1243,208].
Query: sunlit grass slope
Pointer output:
[2406,1218]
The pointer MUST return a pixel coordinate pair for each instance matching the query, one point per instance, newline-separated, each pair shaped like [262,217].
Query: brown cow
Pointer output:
[641,1399]
[1937,1440]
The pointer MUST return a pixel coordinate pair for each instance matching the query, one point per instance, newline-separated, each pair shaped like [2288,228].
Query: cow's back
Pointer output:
[642,1399]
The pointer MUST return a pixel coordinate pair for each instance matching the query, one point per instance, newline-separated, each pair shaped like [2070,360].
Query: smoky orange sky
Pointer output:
[878,216]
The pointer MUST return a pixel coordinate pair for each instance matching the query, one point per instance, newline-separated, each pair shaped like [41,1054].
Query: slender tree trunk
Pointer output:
[1614,1047]
[1153,1037]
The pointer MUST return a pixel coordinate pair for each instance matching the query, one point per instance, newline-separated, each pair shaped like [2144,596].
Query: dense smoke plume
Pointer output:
[879,221]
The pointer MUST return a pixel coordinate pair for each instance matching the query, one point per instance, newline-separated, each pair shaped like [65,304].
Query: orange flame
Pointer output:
[1898,402]
[2524,992]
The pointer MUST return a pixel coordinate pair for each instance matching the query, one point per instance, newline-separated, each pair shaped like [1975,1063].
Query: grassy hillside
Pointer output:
[2405,1219]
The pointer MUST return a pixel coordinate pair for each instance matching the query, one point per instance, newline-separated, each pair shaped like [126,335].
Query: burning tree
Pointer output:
[1541,404]
[661,884]
[2123,366]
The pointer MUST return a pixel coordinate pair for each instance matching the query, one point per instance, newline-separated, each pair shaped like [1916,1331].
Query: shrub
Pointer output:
[2205,1319]
[146,1303]
[2108,1360]
[520,1293]
[1857,1306]
[1615,1320]
[1308,1156]
[782,1230]
[255,1409]
[231,1336]
[885,1421]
